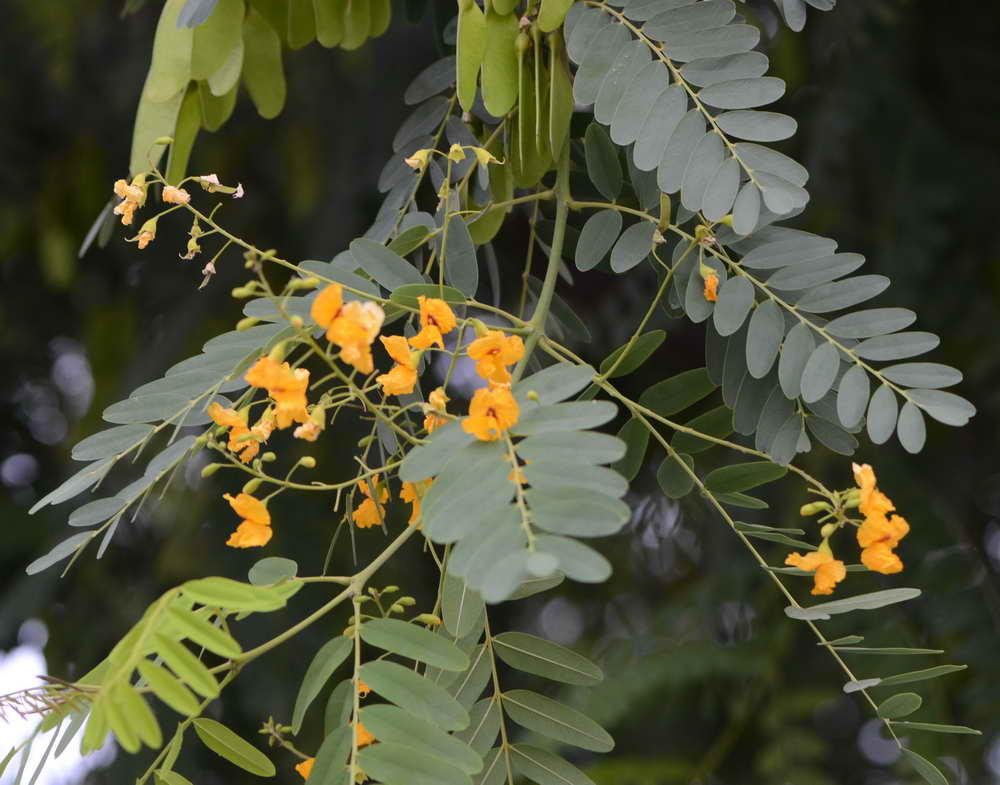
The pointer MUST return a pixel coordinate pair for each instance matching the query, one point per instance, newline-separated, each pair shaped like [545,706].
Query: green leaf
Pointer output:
[167,777]
[461,607]
[717,422]
[329,22]
[185,133]
[925,768]
[921,675]
[414,642]
[272,569]
[415,694]
[899,705]
[227,593]
[597,237]
[392,725]
[820,372]
[263,73]
[168,689]
[386,267]
[552,13]
[555,720]
[170,69]
[561,103]
[603,165]
[562,417]
[63,550]
[323,664]
[461,266]
[203,633]
[743,476]
[585,447]
[188,668]
[395,764]
[112,441]
[549,474]
[737,499]
[933,727]
[641,350]
[633,246]
[546,768]
[888,650]
[531,654]
[672,478]
[226,744]
[756,126]
[847,640]
[576,560]
[330,767]
[678,392]
[576,512]
[137,712]
[555,383]
[781,539]
[532,586]
[483,727]
[215,40]
[871,601]
[339,706]
[635,436]
[407,295]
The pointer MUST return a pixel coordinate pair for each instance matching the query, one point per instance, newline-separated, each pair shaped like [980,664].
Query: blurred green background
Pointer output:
[707,681]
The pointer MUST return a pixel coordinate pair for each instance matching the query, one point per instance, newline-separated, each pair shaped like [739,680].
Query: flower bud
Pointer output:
[390,590]
[480,328]
[407,601]
[828,530]
[532,395]
[813,508]
[268,457]
[242,292]
[296,322]
[211,469]
[852,498]
[252,485]
[428,618]
[456,153]
[307,461]
[246,324]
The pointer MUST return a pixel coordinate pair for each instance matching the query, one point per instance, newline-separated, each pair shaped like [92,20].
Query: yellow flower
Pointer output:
[286,386]
[880,533]
[305,768]
[326,307]
[494,352]
[413,492]
[175,195]
[363,735]
[403,376]
[828,571]
[370,512]
[438,406]
[711,291]
[255,529]
[491,412]
[436,320]
[246,449]
[354,330]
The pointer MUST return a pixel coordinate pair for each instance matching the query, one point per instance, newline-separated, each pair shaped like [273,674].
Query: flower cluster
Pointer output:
[244,441]
[132,195]
[255,529]
[371,511]
[352,326]
[878,535]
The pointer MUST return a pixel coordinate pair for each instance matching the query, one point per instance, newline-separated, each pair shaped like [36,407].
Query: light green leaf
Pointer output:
[550,474]
[168,689]
[754,126]
[203,632]
[575,447]
[899,705]
[921,675]
[933,727]
[167,777]
[461,607]
[188,668]
[63,550]
[641,350]
[223,742]
[562,417]
[470,51]
[272,569]
[330,766]
[395,764]
[395,726]
[263,73]
[414,693]
[499,72]
[112,441]
[555,383]
[925,768]
[414,642]
[743,476]
[552,13]
[546,768]
[672,478]
[887,650]
[227,593]
[541,657]
[324,663]
[576,560]
[871,601]
[555,720]
[217,38]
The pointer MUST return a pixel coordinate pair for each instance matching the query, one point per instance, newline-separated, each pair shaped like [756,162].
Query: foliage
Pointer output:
[503,496]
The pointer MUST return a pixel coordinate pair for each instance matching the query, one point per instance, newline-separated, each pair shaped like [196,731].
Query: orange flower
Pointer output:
[413,492]
[711,291]
[370,512]
[491,412]
[438,406]
[354,330]
[305,768]
[403,376]
[255,529]
[494,352]
[363,689]
[326,307]
[144,238]
[175,195]
[245,448]
[828,570]
[309,431]
[286,386]
[880,533]
[436,320]
[132,196]
[363,735]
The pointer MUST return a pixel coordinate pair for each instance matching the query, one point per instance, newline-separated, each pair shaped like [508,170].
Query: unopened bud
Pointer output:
[852,498]
[396,608]
[268,457]
[828,530]
[479,327]
[307,461]
[303,283]
[365,441]
[252,485]
[246,324]
[390,590]
[407,601]
[211,469]
[242,292]
[428,618]
[813,508]
[521,43]
[532,395]
[296,322]
[278,352]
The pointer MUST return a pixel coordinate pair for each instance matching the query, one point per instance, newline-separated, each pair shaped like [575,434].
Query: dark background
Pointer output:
[707,680]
